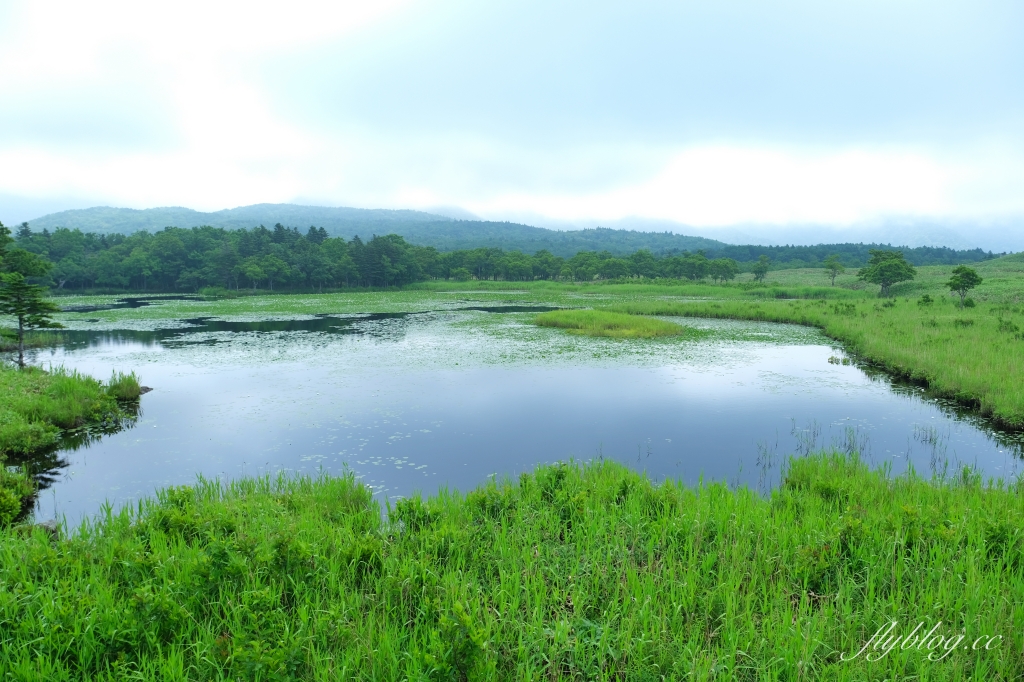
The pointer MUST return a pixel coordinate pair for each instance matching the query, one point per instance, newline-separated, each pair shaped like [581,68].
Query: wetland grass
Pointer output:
[124,387]
[974,355]
[571,572]
[612,324]
[39,406]
[33,339]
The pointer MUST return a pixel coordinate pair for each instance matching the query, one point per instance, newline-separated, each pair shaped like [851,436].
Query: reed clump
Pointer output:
[571,572]
[124,387]
[604,323]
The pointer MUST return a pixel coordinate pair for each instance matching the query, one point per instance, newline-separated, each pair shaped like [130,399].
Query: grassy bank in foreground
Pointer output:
[572,572]
[615,325]
[975,355]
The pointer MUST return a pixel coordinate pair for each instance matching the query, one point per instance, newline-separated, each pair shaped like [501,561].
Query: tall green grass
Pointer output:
[39,407]
[123,386]
[572,572]
[16,488]
[38,404]
[33,339]
[975,355]
[603,323]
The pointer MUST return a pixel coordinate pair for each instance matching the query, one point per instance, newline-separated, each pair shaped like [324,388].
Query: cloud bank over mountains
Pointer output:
[774,119]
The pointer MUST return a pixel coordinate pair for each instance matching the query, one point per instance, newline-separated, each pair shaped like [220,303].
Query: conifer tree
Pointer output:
[25,302]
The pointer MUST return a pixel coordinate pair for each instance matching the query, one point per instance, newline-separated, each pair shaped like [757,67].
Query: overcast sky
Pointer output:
[707,113]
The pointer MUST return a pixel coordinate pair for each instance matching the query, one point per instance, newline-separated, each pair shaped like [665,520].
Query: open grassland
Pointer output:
[574,572]
[975,355]
[1003,281]
[615,325]
[805,287]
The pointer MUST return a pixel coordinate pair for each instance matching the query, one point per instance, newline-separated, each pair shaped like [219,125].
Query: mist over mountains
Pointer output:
[418,227]
[452,228]
[1005,235]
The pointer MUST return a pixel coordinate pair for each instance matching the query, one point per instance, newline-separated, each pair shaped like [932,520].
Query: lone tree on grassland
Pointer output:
[25,301]
[963,280]
[833,267]
[760,267]
[886,268]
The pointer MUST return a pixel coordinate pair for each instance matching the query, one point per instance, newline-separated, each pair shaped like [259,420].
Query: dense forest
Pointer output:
[177,259]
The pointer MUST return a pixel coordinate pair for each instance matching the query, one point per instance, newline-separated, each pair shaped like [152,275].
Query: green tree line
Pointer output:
[178,259]
[285,258]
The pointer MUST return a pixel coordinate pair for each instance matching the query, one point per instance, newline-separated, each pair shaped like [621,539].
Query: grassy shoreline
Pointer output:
[973,355]
[40,407]
[571,572]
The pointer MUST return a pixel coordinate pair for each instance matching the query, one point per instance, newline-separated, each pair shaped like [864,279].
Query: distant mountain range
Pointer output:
[447,233]
[426,229]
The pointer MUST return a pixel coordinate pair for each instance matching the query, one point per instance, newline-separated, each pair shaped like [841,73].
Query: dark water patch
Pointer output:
[512,308]
[952,408]
[128,302]
[329,323]
[196,327]
[324,323]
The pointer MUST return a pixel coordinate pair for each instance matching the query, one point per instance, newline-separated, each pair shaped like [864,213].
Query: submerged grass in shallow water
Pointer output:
[572,572]
[616,325]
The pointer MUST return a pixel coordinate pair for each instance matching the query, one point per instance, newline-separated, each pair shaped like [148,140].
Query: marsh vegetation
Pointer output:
[976,358]
[611,324]
[40,409]
[568,572]
[571,571]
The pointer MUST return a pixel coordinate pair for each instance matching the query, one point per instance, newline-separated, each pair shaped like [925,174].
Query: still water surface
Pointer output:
[422,401]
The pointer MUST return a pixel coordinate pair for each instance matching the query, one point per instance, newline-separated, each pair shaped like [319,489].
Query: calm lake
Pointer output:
[415,402]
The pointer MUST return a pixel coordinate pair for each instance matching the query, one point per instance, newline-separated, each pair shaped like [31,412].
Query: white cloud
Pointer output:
[143,104]
[725,184]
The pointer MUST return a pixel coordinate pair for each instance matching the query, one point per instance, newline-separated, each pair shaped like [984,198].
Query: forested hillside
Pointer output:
[339,222]
[177,259]
[180,259]
[425,229]
[444,234]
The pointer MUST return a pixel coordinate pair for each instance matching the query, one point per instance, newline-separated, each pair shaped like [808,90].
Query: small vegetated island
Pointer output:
[573,571]
[611,324]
